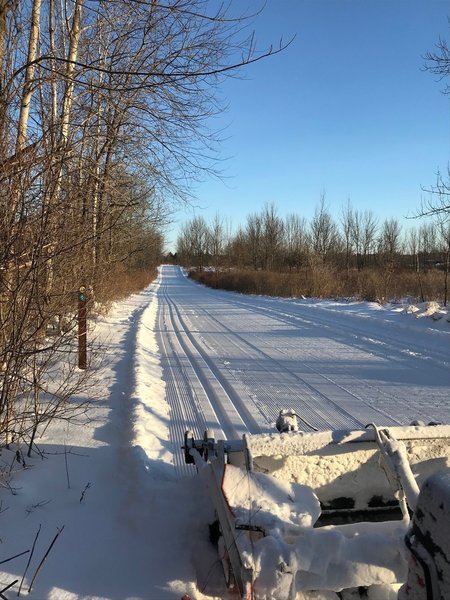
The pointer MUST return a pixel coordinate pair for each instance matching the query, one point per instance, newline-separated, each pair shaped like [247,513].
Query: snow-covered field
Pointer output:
[133,519]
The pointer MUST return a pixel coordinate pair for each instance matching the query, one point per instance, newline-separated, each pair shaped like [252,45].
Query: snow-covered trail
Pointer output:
[177,356]
[231,362]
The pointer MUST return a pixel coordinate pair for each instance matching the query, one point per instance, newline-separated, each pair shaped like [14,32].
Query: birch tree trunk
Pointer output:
[75,33]
[5,7]
[29,74]
[53,84]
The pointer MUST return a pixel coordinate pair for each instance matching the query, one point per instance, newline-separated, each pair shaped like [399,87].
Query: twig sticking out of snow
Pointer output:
[12,489]
[45,557]
[29,559]
[20,459]
[40,504]
[13,557]
[67,466]
[7,588]
[87,486]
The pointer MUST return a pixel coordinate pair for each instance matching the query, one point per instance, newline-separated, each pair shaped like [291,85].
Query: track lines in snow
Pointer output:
[305,392]
[392,403]
[264,381]
[371,402]
[197,398]
[180,395]
[235,419]
[245,358]
[380,342]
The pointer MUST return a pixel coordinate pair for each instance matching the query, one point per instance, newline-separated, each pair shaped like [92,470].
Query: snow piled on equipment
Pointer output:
[293,556]
[270,504]
[330,558]
[342,463]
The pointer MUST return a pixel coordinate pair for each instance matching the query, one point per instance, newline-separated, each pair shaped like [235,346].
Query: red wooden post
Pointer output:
[82,328]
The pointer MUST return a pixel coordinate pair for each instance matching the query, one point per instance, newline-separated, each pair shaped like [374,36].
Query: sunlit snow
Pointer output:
[178,356]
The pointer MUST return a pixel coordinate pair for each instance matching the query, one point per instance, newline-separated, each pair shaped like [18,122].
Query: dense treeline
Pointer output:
[102,111]
[357,255]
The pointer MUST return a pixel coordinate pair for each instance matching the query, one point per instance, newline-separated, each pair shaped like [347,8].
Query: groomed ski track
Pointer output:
[231,362]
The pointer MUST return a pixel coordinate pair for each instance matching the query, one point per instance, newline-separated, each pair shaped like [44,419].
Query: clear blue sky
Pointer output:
[346,110]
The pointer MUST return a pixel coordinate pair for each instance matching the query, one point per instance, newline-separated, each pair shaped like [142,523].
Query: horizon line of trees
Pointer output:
[356,241]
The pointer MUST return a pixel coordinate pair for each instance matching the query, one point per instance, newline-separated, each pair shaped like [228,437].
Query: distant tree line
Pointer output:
[357,254]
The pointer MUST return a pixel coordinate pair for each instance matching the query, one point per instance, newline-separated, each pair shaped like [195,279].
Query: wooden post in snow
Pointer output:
[82,328]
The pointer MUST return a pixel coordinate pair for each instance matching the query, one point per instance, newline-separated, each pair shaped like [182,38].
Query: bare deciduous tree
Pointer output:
[272,236]
[324,232]
[296,241]
[438,201]
[253,238]
[348,226]
[414,245]
[369,228]
[103,109]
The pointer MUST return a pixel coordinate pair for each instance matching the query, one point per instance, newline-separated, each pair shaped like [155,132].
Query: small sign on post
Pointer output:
[82,328]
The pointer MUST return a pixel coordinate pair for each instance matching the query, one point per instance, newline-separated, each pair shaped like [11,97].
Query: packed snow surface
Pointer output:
[132,517]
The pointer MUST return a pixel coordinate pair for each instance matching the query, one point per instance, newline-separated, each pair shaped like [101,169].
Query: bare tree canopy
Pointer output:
[438,62]
[438,201]
[104,109]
